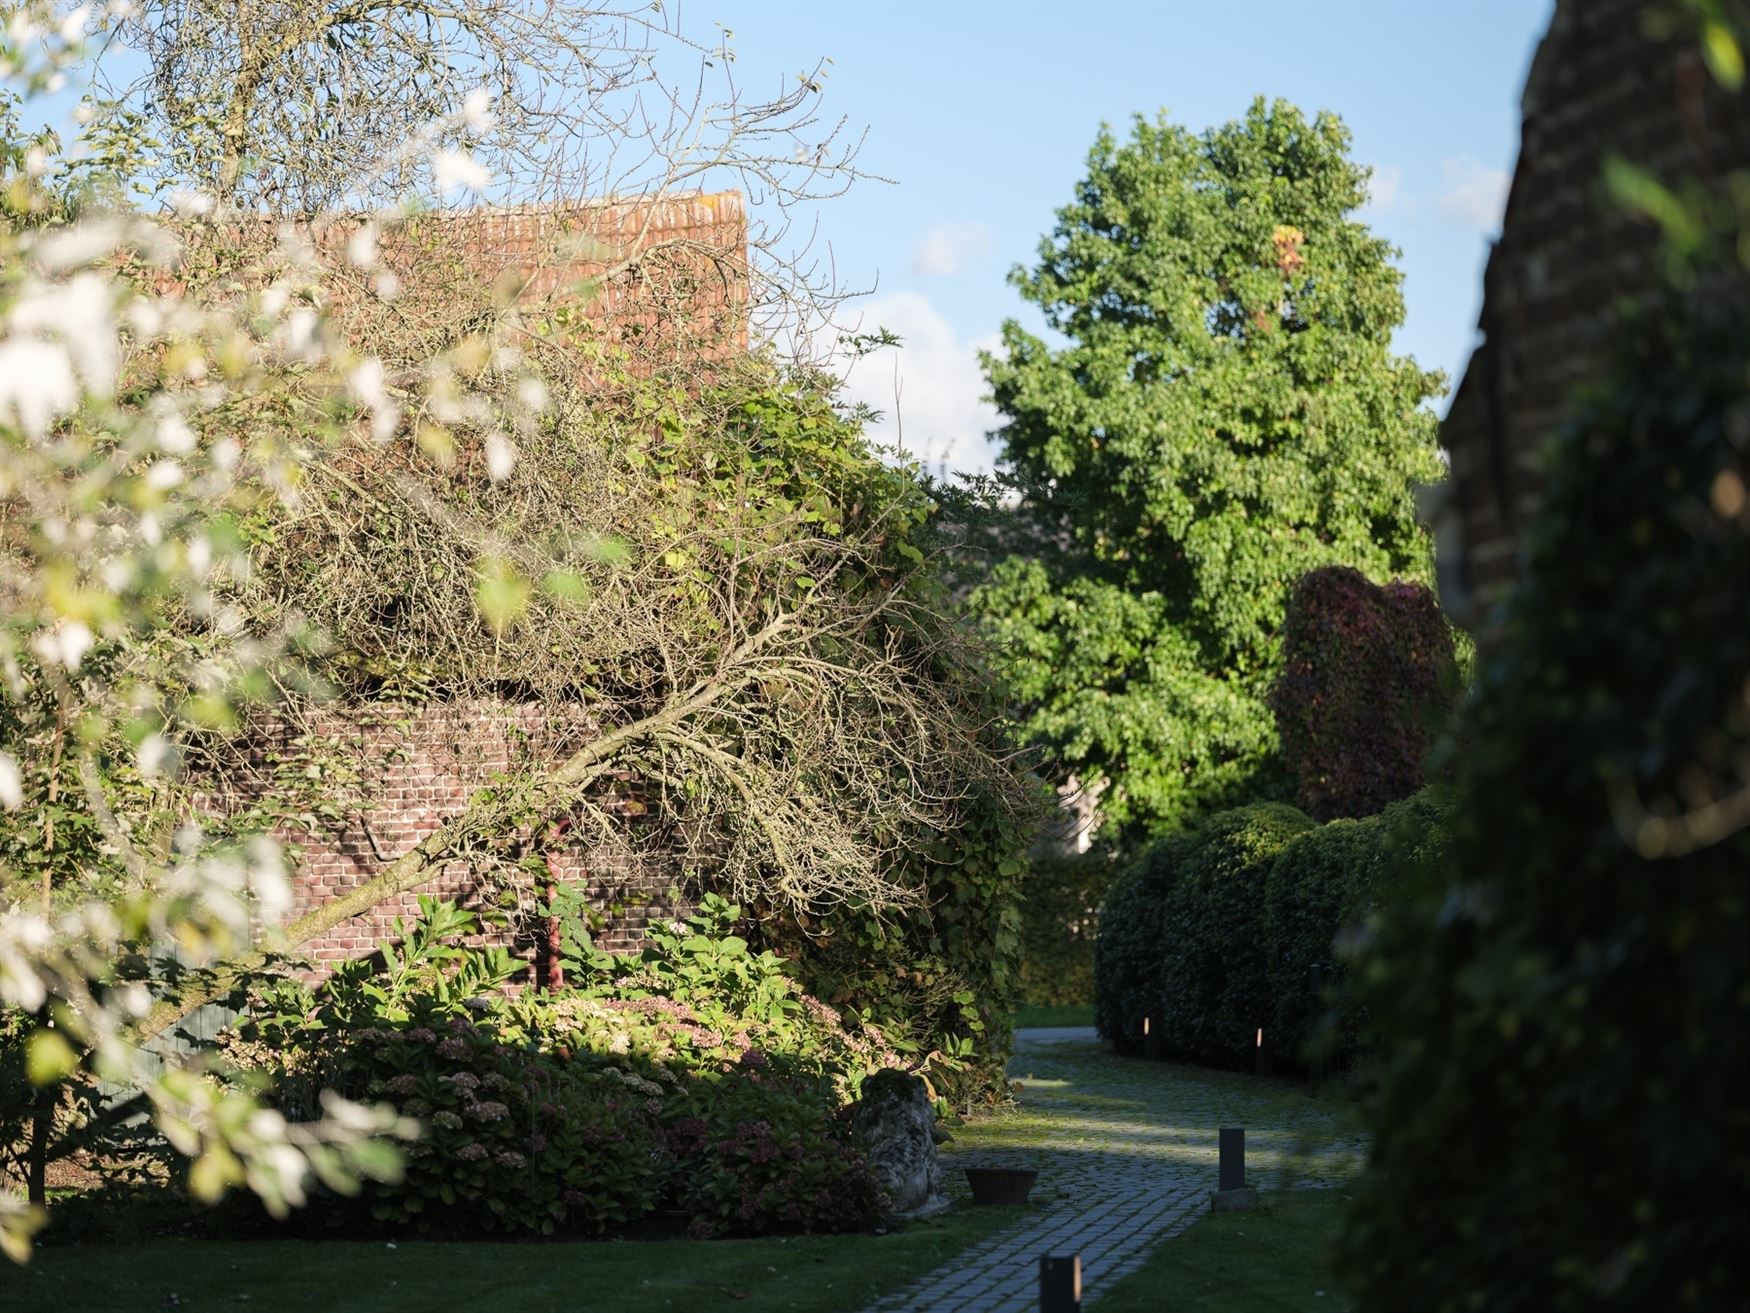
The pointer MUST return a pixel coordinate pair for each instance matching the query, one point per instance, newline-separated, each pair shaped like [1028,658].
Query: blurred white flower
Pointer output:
[532,392]
[174,435]
[164,475]
[78,244]
[361,247]
[11,783]
[37,386]
[80,312]
[64,645]
[73,25]
[191,204]
[23,27]
[154,754]
[454,168]
[300,333]
[477,109]
[500,457]
[365,383]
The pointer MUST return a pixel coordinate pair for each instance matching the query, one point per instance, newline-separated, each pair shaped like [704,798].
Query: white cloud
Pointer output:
[1385,190]
[1473,194]
[938,414]
[948,248]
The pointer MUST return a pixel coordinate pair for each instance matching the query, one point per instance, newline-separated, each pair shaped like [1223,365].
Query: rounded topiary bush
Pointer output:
[1563,1002]
[1214,987]
[1127,952]
[1318,899]
[1369,678]
[1310,891]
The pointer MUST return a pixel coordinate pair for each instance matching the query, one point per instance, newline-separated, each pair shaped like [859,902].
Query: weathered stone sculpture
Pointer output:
[896,1126]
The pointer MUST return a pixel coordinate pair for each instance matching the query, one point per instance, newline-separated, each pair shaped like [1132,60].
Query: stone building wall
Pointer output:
[1568,263]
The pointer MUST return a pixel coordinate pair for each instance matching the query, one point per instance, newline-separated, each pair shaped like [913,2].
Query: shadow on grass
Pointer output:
[804,1274]
[1272,1259]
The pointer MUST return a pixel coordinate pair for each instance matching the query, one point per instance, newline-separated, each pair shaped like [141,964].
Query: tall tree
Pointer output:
[1225,414]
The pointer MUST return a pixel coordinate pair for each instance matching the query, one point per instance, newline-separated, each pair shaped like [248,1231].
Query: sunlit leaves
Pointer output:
[1225,414]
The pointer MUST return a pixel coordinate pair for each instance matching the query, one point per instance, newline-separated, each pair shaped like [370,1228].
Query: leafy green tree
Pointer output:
[1224,414]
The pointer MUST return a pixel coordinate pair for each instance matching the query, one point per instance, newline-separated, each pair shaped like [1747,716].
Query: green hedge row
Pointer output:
[1214,932]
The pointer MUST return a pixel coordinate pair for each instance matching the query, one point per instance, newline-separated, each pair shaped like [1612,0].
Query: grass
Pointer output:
[1073,1014]
[1272,1259]
[809,1274]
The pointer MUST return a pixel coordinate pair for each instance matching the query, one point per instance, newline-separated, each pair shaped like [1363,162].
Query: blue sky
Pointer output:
[983,115]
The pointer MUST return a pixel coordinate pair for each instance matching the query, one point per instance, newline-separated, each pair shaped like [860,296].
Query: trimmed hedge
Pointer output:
[1369,677]
[1318,899]
[1562,1119]
[1060,921]
[1215,931]
[1128,952]
[1214,986]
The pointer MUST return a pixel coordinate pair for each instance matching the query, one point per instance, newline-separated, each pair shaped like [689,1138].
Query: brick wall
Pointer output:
[665,273]
[672,269]
[418,765]
[1567,263]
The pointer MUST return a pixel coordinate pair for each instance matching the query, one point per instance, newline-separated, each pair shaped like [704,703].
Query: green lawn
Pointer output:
[1272,1259]
[1073,1014]
[815,1274]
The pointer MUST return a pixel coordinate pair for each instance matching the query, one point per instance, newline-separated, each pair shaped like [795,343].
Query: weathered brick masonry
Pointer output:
[421,764]
[667,271]
[1568,262]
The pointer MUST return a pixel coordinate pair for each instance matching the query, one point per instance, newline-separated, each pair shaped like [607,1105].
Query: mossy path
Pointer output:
[1126,1154]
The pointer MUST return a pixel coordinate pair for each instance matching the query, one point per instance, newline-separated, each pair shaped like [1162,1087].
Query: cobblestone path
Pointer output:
[1126,1154]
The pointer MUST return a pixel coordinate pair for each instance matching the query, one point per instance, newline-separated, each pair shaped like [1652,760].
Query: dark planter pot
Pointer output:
[1000,1185]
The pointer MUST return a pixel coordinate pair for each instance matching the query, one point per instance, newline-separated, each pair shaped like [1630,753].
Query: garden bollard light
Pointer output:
[1152,1045]
[1263,1064]
[1060,1284]
[1232,1190]
[1233,1157]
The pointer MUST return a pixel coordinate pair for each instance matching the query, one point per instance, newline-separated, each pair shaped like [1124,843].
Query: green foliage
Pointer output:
[756,1156]
[1060,924]
[1562,1003]
[645,1087]
[1318,898]
[1214,983]
[1226,414]
[419,965]
[1128,953]
[701,963]
[939,982]
[1369,677]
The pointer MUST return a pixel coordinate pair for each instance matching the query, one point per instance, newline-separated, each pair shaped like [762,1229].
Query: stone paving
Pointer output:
[1126,1153]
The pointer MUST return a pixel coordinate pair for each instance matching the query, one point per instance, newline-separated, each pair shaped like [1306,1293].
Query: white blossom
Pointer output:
[454,168]
[37,386]
[64,645]
[361,247]
[500,457]
[477,109]
[11,783]
[174,435]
